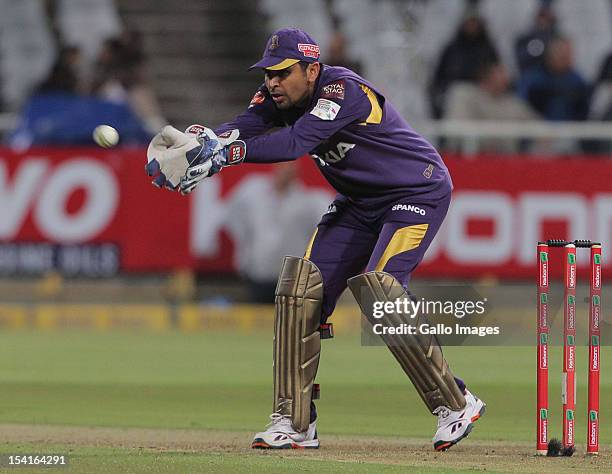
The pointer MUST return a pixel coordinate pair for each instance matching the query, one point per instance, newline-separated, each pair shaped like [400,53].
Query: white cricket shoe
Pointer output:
[280,434]
[453,426]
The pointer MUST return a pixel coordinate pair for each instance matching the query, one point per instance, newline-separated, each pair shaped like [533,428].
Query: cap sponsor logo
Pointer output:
[335,90]
[309,50]
[326,109]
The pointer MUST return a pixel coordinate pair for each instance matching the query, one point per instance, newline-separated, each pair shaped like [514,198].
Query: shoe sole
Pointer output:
[259,443]
[444,445]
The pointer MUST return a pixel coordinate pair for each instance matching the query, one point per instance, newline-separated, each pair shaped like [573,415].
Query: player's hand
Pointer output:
[170,154]
[217,152]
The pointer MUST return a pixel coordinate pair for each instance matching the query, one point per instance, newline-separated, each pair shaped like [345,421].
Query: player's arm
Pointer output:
[186,158]
[335,110]
[260,116]
[327,116]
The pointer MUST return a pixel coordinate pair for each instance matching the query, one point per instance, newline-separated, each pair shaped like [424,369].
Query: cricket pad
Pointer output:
[297,342]
[419,355]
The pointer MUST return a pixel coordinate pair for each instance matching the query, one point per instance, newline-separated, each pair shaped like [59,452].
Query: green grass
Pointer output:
[85,459]
[223,381]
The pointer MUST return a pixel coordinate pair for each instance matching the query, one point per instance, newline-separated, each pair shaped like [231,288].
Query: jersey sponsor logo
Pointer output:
[309,50]
[334,156]
[325,109]
[428,171]
[335,90]
[258,98]
[409,207]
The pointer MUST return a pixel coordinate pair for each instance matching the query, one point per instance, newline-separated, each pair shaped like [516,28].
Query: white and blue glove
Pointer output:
[178,159]
[220,150]
[167,157]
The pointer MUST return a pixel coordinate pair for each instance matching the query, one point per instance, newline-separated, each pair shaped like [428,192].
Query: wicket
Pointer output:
[568,394]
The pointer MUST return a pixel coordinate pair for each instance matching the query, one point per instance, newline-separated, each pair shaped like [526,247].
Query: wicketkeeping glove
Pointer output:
[219,150]
[168,156]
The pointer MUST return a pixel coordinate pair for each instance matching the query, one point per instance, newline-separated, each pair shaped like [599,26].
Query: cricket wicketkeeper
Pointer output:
[393,194]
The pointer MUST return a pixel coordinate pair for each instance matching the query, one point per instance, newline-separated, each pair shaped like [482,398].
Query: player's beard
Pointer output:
[300,103]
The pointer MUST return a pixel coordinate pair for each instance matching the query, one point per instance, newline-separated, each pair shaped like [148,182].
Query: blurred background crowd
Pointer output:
[65,64]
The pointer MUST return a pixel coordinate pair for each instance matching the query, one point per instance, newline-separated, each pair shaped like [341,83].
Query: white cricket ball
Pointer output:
[105,136]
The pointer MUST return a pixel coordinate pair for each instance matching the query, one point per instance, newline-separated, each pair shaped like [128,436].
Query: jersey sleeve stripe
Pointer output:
[375,116]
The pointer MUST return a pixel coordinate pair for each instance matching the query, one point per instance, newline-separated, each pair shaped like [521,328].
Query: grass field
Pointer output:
[172,402]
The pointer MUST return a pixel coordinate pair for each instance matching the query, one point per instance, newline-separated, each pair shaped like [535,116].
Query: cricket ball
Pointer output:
[105,136]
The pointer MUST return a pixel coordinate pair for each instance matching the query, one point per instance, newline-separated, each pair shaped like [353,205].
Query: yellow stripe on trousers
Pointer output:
[310,244]
[404,239]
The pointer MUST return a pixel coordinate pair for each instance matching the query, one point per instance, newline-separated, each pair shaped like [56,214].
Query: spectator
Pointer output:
[58,113]
[605,72]
[461,58]
[601,103]
[530,48]
[63,76]
[270,216]
[556,90]
[337,54]
[489,99]
[106,83]
[601,106]
[120,77]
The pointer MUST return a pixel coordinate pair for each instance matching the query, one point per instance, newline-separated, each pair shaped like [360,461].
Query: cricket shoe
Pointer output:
[453,426]
[280,434]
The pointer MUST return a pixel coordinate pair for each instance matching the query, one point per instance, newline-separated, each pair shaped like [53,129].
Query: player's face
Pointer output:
[293,86]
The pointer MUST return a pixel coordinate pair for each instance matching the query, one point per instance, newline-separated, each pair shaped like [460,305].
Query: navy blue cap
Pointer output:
[287,47]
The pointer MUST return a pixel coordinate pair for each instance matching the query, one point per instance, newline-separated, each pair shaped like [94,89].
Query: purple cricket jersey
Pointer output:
[361,144]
